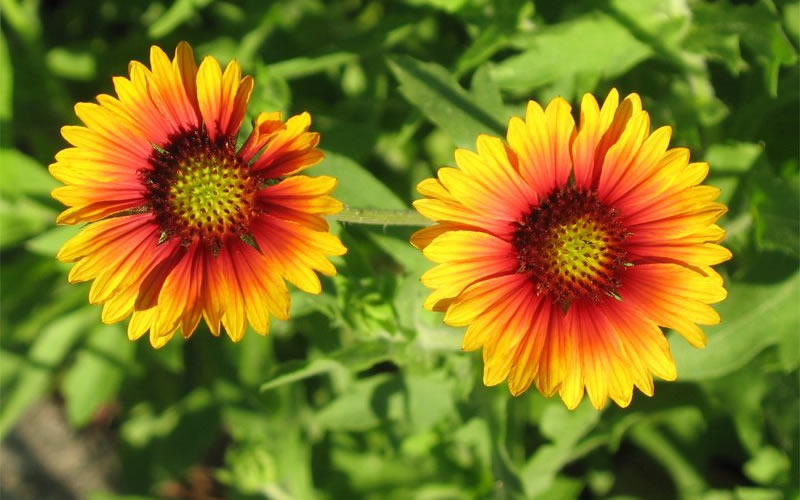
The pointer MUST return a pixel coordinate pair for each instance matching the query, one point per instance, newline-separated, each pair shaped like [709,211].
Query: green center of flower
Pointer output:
[571,246]
[211,191]
[199,189]
[577,248]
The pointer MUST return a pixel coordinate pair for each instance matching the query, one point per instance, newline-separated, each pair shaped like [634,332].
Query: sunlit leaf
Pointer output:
[21,174]
[757,26]
[357,186]
[435,92]
[574,54]
[71,64]
[754,316]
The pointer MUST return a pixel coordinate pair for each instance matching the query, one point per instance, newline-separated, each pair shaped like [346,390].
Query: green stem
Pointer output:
[381,217]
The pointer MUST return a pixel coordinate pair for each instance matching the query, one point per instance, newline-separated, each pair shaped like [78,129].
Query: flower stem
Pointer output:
[381,217]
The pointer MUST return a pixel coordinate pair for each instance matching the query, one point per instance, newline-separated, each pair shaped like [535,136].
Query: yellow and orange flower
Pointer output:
[564,250]
[181,224]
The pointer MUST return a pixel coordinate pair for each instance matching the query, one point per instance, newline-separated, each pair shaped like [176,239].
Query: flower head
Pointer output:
[181,224]
[565,249]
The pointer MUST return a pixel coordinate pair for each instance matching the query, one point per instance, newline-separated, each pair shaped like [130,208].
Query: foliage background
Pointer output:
[362,394]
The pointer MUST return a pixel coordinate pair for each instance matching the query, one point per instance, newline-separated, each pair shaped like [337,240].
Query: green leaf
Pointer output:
[430,399]
[354,358]
[303,66]
[754,316]
[23,18]
[251,469]
[178,13]
[486,93]
[357,187]
[662,26]
[44,357]
[791,20]
[21,174]
[395,243]
[770,466]
[774,207]
[728,163]
[113,496]
[742,390]
[574,55]
[71,64]
[565,429]
[97,374]
[490,40]
[441,99]
[749,493]
[431,333]
[789,353]
[364,404]
[6,88]
[450,6]
[715,46]
[50,242]
[733,157]
[757,26]
[563,488]
[494,409]
[22,217]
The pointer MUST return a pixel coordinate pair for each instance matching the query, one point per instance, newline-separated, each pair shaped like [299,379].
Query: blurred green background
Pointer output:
[362,394]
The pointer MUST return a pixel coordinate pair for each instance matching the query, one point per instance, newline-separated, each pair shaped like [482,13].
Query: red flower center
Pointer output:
[571,246]
[199,188]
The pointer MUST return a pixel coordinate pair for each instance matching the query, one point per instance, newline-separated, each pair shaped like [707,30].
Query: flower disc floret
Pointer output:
[200,189]
[571,246]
